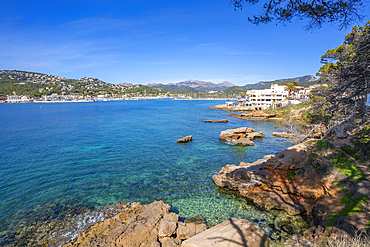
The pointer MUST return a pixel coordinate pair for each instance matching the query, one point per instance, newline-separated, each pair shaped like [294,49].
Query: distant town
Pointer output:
[22,86]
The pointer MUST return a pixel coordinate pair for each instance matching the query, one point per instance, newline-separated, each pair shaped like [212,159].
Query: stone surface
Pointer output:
[185,139]
[230,233]
[243,136]
[169,242]
[138,225]
[260,114]
[171,217]
[267,181]
[185,230]
[167,228]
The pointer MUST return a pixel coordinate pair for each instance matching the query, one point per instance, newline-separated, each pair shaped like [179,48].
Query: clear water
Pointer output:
[61,161]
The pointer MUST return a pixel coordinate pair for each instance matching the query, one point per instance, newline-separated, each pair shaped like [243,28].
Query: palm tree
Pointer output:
[291,87]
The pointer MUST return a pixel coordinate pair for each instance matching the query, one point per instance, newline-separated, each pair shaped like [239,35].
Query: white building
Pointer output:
[264,98]
[13,99]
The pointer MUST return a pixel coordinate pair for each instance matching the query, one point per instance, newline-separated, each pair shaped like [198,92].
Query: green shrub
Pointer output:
[346,198]
[353,206]
[291,174]
[324,144]
[346,167]
[352,152]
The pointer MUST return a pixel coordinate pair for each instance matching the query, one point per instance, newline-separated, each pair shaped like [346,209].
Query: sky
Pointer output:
[161,41]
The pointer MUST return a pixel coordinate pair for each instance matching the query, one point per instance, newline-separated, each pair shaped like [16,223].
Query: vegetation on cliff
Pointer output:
[38,84]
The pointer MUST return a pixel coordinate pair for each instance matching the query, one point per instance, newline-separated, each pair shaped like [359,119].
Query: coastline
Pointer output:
[276,222]
[190,192]
[204,99]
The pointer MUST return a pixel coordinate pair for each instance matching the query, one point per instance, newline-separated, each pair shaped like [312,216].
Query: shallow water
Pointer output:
[69,160]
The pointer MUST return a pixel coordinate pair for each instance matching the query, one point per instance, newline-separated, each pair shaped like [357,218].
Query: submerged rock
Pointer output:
[243,136]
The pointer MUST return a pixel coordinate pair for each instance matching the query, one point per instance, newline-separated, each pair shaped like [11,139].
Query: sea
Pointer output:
[66,166]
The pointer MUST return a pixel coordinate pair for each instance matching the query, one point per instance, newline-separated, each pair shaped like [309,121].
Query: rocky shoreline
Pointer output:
[151,225]
[298,180]
[304,179]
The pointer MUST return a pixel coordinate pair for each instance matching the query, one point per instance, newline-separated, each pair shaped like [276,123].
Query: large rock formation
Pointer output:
[139,225]
[243,136]
[272,182]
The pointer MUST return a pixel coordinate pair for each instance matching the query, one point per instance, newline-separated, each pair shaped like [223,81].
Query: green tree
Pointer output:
[317,12]
[346,70]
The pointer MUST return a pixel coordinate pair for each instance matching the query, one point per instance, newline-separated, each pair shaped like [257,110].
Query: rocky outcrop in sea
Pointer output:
[242,136]
[270,182]
[185,139]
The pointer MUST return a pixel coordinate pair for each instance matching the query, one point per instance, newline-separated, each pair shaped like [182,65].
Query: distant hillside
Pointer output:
[192,86]
[304,81]
[37,84]
[234,90]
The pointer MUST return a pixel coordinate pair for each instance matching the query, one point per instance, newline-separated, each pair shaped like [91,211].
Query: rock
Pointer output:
[282,134]
[200,228]
[199,219]
[243,136]
[230,233]
[172,217]
[216,121]
[232,108]
[137,226]
[167,228]
[255,115]
[153,243]
[309,233]
[185,139]
[245,142]
[185,230]
[269,182]
[169,242]
[260,114]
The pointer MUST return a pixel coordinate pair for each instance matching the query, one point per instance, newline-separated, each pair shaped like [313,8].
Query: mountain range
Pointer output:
[23,82]
[195,86]
[304,81]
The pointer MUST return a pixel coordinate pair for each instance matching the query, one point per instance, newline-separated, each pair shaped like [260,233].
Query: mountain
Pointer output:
[192,86]
[305,81]
[125,84]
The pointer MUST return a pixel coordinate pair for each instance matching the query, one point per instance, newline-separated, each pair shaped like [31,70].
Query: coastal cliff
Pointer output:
[316,178]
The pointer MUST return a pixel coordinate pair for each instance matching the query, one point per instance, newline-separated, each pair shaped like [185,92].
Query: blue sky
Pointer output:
[157,41]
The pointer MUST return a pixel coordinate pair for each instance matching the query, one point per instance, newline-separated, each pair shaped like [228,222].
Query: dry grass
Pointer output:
[359,241]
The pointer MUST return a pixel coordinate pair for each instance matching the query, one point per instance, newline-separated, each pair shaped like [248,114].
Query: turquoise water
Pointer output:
[65,160]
